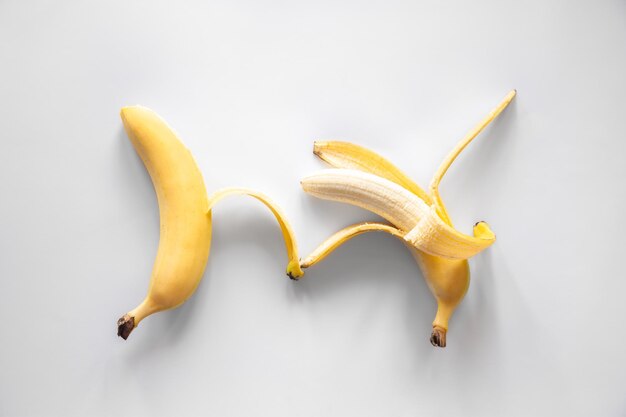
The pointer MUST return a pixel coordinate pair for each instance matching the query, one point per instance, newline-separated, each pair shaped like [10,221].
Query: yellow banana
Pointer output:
[367,180]
[185,216]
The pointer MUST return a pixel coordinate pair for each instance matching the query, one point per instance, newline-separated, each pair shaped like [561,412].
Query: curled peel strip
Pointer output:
[293,267]
[343,236]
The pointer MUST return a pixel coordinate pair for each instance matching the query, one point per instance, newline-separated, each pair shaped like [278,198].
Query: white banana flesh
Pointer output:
[422,225]
[371,192]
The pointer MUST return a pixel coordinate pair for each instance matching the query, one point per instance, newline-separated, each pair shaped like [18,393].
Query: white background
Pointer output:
[249,85]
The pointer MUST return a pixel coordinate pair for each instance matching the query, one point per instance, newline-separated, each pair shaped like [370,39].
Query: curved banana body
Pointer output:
[185,225]
[185,216]
[369,181]
[448,281]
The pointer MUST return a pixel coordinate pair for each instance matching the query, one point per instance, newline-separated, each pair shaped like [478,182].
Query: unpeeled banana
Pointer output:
[185,216]
[419,218]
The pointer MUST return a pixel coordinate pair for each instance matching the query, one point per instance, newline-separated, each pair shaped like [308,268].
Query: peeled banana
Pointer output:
[362,178]
[185,216]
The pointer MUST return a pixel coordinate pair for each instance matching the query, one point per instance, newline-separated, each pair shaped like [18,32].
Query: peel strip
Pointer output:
[443,168]
[342,236]
[350,156]
[293,267]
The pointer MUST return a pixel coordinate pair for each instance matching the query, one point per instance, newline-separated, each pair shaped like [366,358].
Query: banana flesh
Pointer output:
[362,178]
[350,156]
[185,216]
[423,227]
[389,200]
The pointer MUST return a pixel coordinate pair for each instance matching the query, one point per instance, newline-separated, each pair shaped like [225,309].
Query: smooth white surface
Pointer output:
[249,85]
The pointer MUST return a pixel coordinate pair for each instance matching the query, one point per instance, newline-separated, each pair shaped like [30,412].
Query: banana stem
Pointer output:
[342,236]
[125,325]
[443,168]
[438,337]
[293,267]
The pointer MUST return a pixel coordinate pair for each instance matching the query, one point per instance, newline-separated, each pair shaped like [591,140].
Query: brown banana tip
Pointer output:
[438,337]
[125,325]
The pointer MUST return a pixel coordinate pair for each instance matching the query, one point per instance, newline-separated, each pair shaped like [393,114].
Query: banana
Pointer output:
[185,216]
[362,178]
[365,179]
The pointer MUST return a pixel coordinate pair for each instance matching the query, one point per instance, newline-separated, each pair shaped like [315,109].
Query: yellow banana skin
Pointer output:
[448,281]
[365,179]
[293,267]
[185,224]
